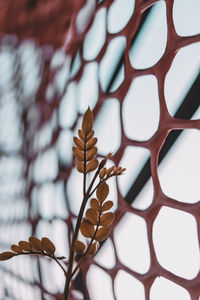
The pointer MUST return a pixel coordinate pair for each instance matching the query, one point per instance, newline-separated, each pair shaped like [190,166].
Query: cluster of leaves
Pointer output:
[96,223]
[43,247]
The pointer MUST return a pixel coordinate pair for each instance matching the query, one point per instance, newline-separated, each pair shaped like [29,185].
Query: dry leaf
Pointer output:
[92,165]
[107,219]
[94,203]
[81,135]
[116,169]
[90,135]
[102,191]
[48,246]
[91,153]
[107,205]
[16,249]
[6,255]
[87,229]
[91,144]
[102,234]
[78,153]
[78,143]
[79,247]
[87,121]
[92,216]
[93,249]
[102,173]
[25,245]
[35,243]
[121,171]
[79,165]
[110,170]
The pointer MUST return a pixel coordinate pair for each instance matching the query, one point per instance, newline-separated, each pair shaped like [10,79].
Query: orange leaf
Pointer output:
[16,249]
[121,171]
[102,234]
[107,219]
[91,143]
[6,255]
[90,135]
[92,216]
[87,122]
[94,203]
[78,143]
[35,243]
[92,165]
[87,229]
[110,170]
[107,205]
[91,153]
[79,247]
[79,165]
[25,245]
[81,135]
[48,246]
[93,249]
[102,191]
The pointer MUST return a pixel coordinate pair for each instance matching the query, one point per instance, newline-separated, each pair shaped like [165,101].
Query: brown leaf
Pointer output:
[92,216]
[91,153]
[81,135]
[94,203]
[107,205]
[116,169]
[87,122]
[104,161]
[79,165]
[93,249]
[6,255]
[91,143]
[79,247]
[92,165]
[102,234]
[121,171]
[102,191]
[78,153]
[107,219]
[16,249]
[78,143]
[25,245]
[48,246]
[87,229]
[90,135]
[109,171]
[35,243]
[102,173]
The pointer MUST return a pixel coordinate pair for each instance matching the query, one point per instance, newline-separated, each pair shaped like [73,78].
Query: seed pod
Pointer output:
[102,191]
[91,143]
[48,246]
[25,245]
[79,247]
[78,143]
[94,203]
[35,243]
[107,219]
[87,122]
[16,249]
[90,135]
[92,165]
[116,169]
[91,153]
[87,228]
[102,234]
[93,249]
[107,205]
[92,216]
[121,171]
[6,255]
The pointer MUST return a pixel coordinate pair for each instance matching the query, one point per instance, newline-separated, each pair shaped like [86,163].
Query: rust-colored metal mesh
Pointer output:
[35,143]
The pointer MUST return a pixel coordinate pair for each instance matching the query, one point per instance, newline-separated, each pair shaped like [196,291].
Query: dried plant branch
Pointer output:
[96,223]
